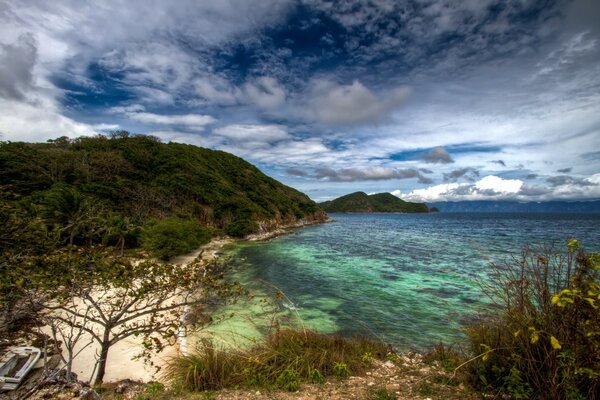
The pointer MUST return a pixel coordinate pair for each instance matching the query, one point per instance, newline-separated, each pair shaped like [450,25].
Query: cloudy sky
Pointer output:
[429,100]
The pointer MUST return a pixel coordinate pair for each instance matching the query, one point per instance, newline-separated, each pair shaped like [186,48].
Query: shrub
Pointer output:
[241,228]
[284,360]
[174,236]
[545,342]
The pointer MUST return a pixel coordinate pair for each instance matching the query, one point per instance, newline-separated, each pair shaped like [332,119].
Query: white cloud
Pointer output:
[21,121]
[432,193]
[196,121]
[217,90]
[265,92]
[258,133]
[499,185]
[334,104]
[136,112]
[495,188]
[16,67]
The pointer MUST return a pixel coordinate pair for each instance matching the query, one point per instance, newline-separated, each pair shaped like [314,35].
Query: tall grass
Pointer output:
[545,342]
[285,359]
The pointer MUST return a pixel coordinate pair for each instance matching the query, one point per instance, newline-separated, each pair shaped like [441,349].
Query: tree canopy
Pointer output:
[84,189]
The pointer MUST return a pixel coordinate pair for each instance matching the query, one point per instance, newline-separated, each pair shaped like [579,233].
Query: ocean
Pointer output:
[411,279]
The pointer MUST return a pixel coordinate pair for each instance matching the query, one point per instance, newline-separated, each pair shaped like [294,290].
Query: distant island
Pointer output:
[360,202]
[580,207]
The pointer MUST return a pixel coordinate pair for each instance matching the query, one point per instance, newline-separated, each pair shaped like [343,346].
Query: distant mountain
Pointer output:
[516,206]
[361,202]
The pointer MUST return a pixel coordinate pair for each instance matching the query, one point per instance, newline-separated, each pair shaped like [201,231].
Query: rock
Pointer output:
[388,364]
[89,394]
[124,386]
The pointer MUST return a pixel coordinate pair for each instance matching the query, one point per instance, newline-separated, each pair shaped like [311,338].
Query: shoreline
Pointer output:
[283,230]
[121,363]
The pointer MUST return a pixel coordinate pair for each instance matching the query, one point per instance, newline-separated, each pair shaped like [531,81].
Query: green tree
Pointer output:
[22,235]
[120,228]
[68,211]
[174,236]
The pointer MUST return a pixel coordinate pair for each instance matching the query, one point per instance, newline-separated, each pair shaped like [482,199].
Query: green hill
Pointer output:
[360,202]
[141,180]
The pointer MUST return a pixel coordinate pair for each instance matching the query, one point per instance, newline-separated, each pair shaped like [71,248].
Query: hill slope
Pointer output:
[143,179]
[360,202]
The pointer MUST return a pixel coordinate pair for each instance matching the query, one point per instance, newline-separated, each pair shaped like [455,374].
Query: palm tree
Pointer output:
[67,210]
[120,227]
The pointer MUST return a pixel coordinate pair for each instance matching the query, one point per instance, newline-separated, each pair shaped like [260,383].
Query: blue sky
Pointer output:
[429,100]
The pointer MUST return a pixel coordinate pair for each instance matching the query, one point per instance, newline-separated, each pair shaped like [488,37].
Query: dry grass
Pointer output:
[284,360]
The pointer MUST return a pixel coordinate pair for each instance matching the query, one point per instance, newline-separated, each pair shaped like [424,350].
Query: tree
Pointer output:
[22,235]
[120,227]
[117,297]
[69,211]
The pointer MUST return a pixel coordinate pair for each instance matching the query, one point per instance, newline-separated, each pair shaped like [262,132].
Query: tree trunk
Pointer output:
[102,361]
[71,239]
[122,246]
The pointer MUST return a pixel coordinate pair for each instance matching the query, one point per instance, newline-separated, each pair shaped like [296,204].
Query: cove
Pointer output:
[413,280]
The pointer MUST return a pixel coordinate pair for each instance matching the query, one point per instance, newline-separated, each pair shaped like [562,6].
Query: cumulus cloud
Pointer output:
[499,185]
[438,155]
[489,187]
[331,103]
[492,187]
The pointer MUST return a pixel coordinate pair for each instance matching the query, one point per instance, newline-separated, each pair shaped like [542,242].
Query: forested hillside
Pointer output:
[360,202]
[89,189]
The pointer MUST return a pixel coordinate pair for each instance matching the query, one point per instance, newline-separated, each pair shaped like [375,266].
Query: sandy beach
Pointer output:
[121,362]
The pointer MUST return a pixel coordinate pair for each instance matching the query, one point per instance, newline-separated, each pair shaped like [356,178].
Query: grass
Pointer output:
[285,360]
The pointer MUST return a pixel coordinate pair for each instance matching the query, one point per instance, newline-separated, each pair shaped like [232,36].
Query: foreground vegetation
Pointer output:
[284,360]
[545,341]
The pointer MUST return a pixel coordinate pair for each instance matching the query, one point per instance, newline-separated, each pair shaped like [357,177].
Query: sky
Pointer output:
[429,100]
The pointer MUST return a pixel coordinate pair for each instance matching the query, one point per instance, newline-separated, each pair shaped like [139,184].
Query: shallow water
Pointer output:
[410,279]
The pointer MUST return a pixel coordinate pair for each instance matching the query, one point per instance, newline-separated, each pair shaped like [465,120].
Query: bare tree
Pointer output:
[69,330]
[113,298]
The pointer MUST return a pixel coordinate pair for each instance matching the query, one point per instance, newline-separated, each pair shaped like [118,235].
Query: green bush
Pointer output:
[545,342]
[174,236]
[241,228]
[284,360]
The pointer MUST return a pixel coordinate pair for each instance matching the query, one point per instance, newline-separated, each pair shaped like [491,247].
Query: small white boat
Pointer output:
[15,365]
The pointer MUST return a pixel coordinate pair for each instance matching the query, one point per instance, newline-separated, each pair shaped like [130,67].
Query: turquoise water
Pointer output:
[411,279]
